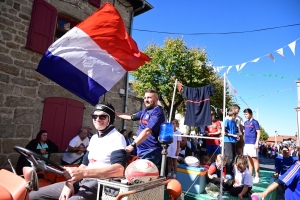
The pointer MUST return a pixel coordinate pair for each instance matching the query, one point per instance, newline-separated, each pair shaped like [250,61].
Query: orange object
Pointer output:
[133,158]
[174,189]
[12,187]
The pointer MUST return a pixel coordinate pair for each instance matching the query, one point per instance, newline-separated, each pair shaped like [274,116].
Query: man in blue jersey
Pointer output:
[251,138]
[291,178]
[147,144]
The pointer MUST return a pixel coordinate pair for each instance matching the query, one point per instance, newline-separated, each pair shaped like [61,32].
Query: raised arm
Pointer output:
[123,115]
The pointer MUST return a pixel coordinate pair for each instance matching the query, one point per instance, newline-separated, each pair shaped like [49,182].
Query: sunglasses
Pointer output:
[101,117]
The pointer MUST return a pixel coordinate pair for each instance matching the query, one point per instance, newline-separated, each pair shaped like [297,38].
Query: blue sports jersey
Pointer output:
[291,178]
[283,164]
[250,131]
[230,127]
[198,105]
[150,119]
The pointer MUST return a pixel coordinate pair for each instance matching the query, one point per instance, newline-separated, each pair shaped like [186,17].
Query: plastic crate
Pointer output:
[156,193]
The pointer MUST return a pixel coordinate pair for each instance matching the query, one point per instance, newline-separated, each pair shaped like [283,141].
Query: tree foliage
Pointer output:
[174,60]
[264,135]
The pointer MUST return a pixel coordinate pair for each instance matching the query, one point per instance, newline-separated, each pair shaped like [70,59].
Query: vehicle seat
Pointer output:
[11,185]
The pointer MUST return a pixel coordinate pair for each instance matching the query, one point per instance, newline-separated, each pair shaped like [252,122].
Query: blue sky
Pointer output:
[275,111]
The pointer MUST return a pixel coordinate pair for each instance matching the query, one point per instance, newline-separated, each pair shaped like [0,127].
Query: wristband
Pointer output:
[133,144]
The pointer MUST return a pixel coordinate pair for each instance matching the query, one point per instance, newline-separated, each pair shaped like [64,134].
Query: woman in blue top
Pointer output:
[41,145]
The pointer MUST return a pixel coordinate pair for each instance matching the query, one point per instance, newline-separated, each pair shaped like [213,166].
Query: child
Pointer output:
[214,171]
[230,139]
[205,161]
[252,135]
[242,178]
[173,150]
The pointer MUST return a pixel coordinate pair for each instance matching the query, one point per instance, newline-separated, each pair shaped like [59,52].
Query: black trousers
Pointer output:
[230,153]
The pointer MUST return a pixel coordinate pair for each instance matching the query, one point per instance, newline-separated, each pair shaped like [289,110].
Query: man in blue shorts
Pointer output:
[291,178]
[151,118]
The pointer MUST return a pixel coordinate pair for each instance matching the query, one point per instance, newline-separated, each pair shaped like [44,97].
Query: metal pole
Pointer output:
[223,134]
[171,110]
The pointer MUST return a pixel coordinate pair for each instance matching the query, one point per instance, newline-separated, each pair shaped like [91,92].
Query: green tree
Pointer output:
[264,135]
[174,60]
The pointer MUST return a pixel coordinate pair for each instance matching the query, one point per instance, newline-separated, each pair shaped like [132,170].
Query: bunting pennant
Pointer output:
[242,66]
[271,56]
[280,52]
[239,67]
[292,47]
[255,60]
[228,69]
[179,86]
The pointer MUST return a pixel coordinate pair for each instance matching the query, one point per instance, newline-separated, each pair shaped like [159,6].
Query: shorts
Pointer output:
[250,151]
[210,149]
[240,143]
[153,156]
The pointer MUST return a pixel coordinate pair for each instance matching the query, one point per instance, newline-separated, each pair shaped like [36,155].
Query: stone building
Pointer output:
[25,94]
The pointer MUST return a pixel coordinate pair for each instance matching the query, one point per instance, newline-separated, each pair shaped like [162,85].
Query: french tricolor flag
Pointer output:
[93,56]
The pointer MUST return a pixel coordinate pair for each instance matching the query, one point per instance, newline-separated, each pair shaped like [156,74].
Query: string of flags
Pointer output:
[239,67]
[269,76]
[275,92]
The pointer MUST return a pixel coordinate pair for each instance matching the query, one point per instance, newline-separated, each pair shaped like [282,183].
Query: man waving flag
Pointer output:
[93,56]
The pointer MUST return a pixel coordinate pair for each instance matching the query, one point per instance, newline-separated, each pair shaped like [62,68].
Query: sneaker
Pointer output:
[256,180]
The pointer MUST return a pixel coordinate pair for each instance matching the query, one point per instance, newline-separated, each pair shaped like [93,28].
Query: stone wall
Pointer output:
[22,89]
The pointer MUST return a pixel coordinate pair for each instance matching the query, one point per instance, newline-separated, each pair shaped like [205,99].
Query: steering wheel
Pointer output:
[30,155]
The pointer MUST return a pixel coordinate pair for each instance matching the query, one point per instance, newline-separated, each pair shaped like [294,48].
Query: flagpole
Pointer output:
[171,110]
[223,134]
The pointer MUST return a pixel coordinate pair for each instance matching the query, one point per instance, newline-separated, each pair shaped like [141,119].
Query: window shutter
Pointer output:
[73,121]
[62,119]
[53,120]
[95,3]
[42,26]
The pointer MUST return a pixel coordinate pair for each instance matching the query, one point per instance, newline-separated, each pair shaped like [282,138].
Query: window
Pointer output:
[43,25]
[62,119]
[64,24]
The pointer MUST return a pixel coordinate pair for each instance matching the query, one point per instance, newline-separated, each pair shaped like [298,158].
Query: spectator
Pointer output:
[151,118]
[105,158]
[185,150]
[173,151]
[76,148]
[291,178]
[41,145]
[239,130]
[124,133]
[252,136]
[283,162]
[214,171]
[90,132]
[242,179]
[129,140]
[214,130]
[230,139]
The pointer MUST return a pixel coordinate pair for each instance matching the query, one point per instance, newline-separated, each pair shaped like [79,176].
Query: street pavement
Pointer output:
[268,164]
